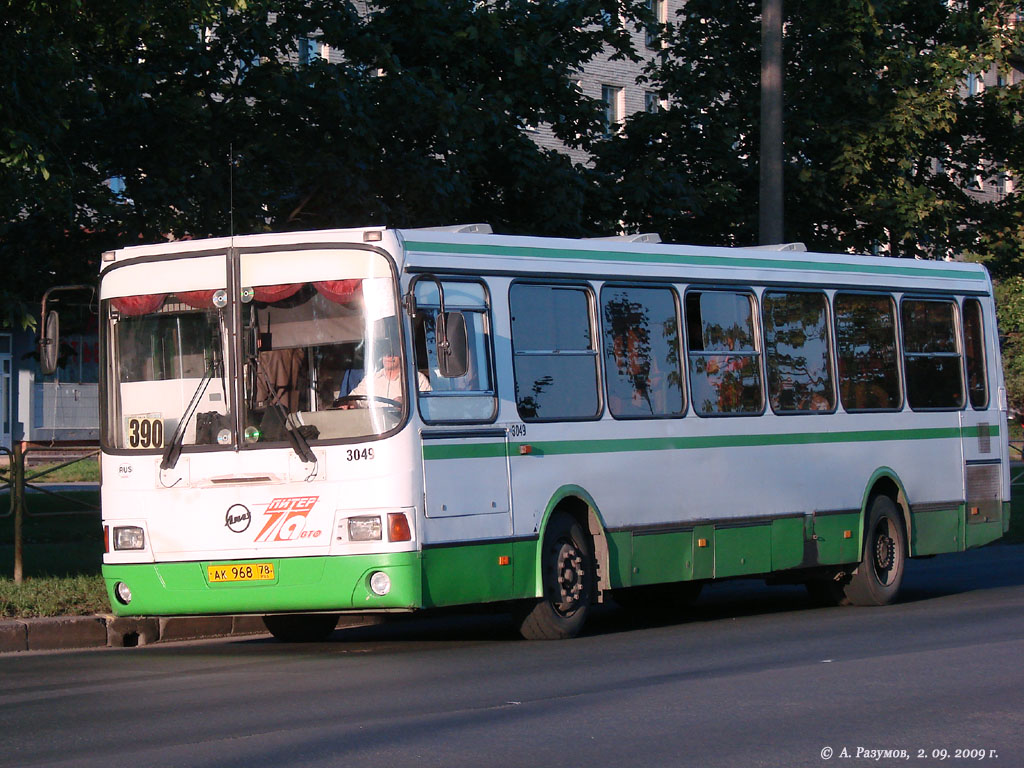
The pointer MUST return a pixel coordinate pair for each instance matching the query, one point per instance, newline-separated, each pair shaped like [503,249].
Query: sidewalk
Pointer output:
[73,632]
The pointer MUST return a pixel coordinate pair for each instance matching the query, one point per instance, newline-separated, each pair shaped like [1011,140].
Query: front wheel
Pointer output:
[878,578]
[301,627]
[568,572]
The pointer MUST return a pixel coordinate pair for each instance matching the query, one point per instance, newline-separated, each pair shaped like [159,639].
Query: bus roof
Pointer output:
[478,252]
[426,250]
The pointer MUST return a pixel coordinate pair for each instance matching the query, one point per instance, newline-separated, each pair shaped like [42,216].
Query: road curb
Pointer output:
[106,631]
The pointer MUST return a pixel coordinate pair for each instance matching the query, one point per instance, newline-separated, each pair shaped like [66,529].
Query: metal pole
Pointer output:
[771,223]
[18,506]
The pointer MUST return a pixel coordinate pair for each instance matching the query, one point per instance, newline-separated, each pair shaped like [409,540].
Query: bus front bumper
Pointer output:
[247,586]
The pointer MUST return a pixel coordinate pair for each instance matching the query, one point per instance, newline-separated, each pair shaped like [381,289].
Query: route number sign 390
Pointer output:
[144,431]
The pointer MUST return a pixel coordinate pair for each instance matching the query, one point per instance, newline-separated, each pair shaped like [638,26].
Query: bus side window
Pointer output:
[974,346]
[869,373]
[468,398]
[554,352]
[724,361]
[931,354]
[797,352]
[641,352]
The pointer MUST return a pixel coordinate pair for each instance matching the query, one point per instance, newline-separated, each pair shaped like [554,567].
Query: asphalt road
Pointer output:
[754,677]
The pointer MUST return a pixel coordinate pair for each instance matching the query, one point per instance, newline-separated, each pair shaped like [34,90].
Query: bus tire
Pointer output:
[568,572]
[877,579]
[301,627]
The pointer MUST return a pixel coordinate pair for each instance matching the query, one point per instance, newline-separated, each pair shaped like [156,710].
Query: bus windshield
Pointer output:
[324,356]
[319,354]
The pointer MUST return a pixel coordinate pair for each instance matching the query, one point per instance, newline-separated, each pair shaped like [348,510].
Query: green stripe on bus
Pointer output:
[693,260]
[622,445]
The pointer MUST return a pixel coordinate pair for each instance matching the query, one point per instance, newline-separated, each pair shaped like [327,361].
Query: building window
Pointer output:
[658,10]
[652,103]
[310,50]
[614,107]
[975,84]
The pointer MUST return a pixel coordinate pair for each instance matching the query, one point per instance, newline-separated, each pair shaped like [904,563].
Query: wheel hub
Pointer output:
[885,552]
[570,575]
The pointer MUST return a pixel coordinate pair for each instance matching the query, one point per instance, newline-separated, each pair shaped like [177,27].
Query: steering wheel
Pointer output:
[366,399]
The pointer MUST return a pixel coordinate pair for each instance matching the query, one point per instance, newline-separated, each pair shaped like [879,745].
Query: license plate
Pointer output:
[248,572]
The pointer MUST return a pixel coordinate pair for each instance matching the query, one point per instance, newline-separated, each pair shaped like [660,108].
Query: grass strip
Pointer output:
[81,595]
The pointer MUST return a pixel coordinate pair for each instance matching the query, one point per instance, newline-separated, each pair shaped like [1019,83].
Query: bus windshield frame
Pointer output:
[234,351]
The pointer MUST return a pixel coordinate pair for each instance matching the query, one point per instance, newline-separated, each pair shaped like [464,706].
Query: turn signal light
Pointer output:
[398,527]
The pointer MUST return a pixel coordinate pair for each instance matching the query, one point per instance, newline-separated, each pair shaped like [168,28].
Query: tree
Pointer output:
[883,139]
[123,122]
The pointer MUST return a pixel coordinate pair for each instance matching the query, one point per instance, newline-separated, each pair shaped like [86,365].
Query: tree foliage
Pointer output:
[883,139]
[123,122]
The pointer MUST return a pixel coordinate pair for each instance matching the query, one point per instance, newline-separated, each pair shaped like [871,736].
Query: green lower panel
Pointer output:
[787,543]
[471,574]
[524,568]
[740,551]
[838,538]
[620,559]
[936,531]
[980,534]
[704,552]
[660,557]
[1006,517]
[300,584]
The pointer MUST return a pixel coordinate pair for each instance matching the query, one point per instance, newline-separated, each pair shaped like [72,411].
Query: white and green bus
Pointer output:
[371,420]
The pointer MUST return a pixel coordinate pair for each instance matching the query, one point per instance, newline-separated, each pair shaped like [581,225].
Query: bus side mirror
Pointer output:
[452,346]
[49,343]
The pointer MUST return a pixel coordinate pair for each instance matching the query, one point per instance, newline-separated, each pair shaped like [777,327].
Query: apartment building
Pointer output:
[615,82]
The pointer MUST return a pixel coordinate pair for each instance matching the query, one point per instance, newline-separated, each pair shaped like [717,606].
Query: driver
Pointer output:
[386,382]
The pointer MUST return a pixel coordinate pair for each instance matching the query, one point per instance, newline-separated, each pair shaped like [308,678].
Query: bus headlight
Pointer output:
[366,528]
[380,583]
[122,592]
[129,537]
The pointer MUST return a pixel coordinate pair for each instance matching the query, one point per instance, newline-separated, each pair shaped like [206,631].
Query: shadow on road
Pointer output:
[926,579]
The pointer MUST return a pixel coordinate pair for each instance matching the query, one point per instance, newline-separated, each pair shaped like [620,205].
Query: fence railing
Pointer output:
[18,480]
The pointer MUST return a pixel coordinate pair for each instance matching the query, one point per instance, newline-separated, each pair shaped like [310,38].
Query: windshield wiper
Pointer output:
[173,449]
[295,437]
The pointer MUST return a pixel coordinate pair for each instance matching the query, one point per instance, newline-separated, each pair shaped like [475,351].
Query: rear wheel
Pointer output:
[301,627]
[878,578]
[568,574]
